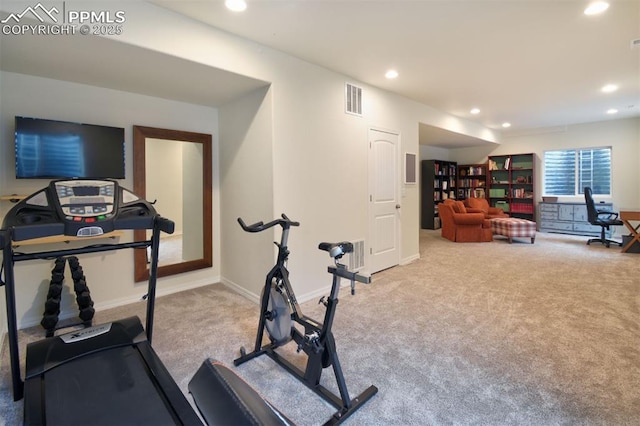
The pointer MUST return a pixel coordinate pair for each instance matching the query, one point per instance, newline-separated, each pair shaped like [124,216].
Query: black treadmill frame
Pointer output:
[154,222]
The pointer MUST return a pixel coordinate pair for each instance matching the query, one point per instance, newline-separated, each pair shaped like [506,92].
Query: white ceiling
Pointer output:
[443,138]
[98,61]
[533,63]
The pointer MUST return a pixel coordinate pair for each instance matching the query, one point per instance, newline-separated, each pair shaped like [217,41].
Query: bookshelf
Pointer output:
[438,184]
[511,183]
[472,181]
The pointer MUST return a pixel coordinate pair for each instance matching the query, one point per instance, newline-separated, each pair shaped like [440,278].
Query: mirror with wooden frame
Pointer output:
[172,169]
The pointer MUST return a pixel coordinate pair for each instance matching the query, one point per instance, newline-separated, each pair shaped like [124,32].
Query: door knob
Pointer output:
[397,206]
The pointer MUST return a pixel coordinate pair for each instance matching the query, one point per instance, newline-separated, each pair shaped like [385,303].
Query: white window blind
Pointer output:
[567,172]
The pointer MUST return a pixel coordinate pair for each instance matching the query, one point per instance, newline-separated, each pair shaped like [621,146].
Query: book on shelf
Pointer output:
[473,171]
[502,205]
[507,163]
[522,208]
[497,192]
[521,193]
[470,182]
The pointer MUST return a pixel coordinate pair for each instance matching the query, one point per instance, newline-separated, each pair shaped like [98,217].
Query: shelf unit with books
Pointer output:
[472,181]
[511,183]
[438,183]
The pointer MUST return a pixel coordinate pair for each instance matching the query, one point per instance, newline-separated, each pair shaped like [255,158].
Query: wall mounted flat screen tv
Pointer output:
[49,149]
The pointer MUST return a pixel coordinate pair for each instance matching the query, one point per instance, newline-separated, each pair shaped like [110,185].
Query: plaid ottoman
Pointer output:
[512,227]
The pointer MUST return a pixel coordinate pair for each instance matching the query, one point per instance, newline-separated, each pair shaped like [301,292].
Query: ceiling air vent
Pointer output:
[353,99]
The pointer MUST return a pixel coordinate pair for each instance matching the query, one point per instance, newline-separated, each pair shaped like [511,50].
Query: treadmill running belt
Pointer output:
[105,388]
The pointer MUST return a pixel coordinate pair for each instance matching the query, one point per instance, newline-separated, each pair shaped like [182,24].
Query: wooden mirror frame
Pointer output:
[140,135]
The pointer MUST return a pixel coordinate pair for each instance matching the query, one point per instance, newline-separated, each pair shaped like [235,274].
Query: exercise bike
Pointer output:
[280,312]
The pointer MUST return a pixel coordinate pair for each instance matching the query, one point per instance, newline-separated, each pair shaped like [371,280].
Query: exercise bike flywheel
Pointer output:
[279,322]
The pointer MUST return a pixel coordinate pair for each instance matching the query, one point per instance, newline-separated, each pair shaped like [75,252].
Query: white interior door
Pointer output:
[384,204]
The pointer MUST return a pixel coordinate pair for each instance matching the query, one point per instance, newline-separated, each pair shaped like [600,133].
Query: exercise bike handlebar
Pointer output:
[352,276]
[285,222]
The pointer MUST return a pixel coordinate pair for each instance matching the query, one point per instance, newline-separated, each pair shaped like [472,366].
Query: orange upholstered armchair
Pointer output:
[481,205]
[462,227]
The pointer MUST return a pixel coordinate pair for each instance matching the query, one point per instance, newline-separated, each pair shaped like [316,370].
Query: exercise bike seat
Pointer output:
[337,250]
[223,398]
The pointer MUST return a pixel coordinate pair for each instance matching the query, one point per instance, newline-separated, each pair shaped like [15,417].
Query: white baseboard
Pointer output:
[4,339]
[255,298]
[410,259]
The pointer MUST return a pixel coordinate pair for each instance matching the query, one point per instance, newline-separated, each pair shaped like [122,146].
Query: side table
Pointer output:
[627,216]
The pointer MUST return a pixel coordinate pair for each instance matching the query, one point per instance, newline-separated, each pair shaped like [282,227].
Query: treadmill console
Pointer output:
[79,208]
[86,200]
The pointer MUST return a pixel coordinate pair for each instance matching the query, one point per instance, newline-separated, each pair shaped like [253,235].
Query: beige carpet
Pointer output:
[476,333]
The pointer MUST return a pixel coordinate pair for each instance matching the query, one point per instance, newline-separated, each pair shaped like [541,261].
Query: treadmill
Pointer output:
[108,374]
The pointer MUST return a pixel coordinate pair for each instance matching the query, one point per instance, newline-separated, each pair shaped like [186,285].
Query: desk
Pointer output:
[626,216]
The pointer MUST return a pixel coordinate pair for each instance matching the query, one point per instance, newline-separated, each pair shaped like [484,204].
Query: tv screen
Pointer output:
[49,149]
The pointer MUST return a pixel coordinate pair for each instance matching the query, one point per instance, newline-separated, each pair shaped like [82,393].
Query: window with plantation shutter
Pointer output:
[567,172]
[595,170]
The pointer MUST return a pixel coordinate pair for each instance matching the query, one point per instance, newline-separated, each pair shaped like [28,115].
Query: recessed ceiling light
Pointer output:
[596,7]
[391,74]
[609,88]
[506,125]
[236,5]
[475,111]
[612,111]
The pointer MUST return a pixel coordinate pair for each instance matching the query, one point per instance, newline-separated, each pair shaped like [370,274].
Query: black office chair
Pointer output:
[602,218]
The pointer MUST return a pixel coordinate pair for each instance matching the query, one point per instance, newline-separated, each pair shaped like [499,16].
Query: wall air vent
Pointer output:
[355,260]
[353,99]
